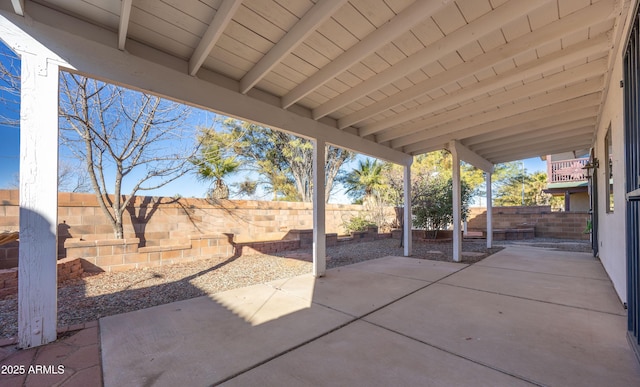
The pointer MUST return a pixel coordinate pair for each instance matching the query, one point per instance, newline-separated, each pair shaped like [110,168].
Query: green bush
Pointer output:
[433,204]
[357,223]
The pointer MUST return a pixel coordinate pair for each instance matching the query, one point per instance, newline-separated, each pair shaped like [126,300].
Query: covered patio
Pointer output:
[523,316]
[491,81]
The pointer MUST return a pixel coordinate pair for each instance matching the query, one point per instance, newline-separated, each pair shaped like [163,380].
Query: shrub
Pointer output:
[357,223]
[433,204]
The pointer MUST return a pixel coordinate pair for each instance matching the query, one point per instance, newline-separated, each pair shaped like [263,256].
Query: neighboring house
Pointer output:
[567,177]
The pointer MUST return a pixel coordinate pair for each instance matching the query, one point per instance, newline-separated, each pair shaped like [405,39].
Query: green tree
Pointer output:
[433,203]
[283,161]
[366,181]
[215,161]
[537,186]
[366,185]
[424,167]
[247,187]
[516,187]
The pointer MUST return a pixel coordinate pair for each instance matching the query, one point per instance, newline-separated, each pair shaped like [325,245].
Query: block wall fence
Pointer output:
[161,230]
[547,223]
[155,222]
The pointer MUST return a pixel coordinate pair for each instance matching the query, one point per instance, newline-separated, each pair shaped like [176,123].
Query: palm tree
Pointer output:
[365,182]
[215,162]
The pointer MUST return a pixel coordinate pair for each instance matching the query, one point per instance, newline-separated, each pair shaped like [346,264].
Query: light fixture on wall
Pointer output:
[589,166]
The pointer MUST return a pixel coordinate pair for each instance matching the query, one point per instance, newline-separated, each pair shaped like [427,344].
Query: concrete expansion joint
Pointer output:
[536,300]
[362,318]
[284,352]
[497,369]
[353,320]
[549,274]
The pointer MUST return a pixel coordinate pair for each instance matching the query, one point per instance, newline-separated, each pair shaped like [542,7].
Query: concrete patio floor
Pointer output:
[524,316]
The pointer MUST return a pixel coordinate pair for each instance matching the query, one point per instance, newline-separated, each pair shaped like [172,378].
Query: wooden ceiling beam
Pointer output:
[515,139]
[221,19]
[536,137]
[18,7]
[317,15]
[534,88]
[576,21]
[459,128]
[480,27]
[561,118]
[123,23]
[569,145]
[395,27]
[470,156]
[539,66]
[583,102]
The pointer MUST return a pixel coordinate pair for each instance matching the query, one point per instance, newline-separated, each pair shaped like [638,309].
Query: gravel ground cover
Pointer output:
[105,294]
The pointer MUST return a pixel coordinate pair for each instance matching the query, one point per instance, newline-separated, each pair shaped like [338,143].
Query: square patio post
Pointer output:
[319,234]
[489,212]
[37,276]
[408,224]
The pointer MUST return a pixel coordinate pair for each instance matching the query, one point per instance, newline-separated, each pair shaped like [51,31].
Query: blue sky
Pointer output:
[187,186]
[10,140]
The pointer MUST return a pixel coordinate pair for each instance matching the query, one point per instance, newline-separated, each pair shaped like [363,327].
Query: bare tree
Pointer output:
[9,87]
[71,178]
[119,135]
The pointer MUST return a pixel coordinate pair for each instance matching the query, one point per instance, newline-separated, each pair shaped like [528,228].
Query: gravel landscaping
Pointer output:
[105,294]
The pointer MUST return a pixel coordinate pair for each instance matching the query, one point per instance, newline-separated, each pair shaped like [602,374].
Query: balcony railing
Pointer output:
[567,170]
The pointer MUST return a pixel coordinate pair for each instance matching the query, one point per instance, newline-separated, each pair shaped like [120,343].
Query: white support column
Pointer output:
[37,276]
[408,223]
[489,212]
[319,235]
[457,206]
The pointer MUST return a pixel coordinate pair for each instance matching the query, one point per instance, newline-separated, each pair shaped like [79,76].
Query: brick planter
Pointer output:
[68,268]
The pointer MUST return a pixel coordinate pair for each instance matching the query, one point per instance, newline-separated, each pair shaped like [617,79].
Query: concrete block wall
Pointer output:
[123,254]
[8,282]
[548,224]
[9,255]
[68,268]
[162,221]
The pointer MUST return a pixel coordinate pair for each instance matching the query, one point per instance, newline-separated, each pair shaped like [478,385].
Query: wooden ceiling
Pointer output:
[509,79]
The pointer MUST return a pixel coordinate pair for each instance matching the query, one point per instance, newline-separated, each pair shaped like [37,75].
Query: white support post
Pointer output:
[489,212]
[408,224]
[319,235]
[37,276]
[457,205]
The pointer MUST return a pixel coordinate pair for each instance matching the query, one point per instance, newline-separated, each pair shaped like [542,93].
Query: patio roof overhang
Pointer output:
[385,78]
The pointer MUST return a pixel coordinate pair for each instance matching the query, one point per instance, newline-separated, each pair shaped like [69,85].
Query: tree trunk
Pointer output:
[220,191]
[118,229]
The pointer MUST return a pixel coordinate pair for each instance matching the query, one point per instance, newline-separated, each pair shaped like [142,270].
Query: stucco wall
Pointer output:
[612,250]
[580,202]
